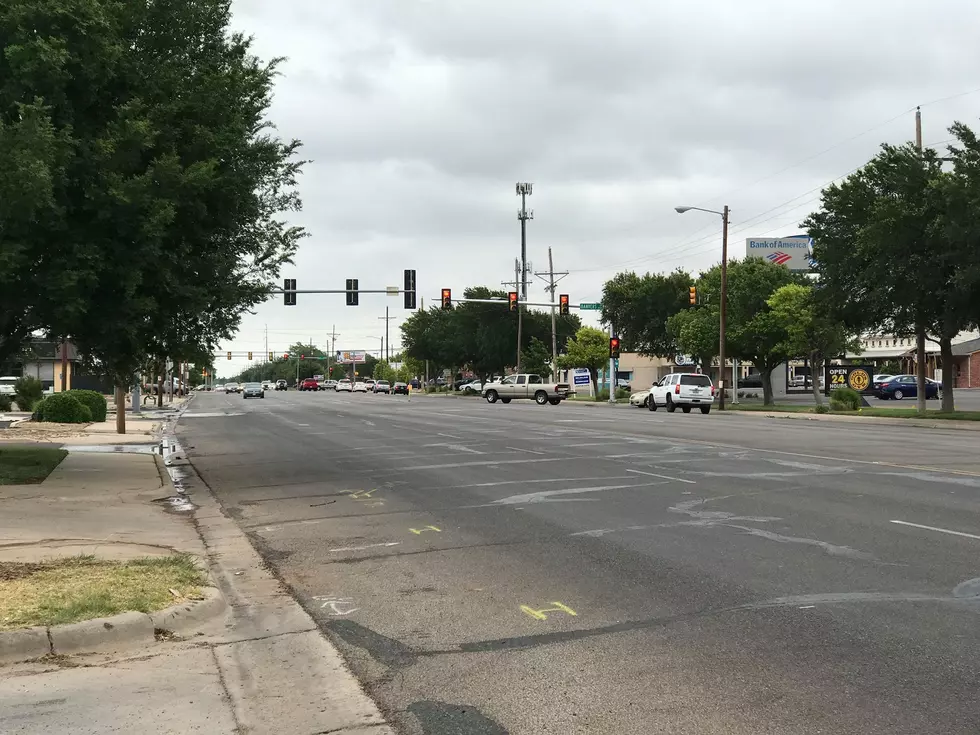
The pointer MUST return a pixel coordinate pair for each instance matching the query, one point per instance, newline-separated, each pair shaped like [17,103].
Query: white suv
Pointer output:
[686,390]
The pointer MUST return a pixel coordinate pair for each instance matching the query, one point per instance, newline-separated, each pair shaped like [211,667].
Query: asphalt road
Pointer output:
[524,569]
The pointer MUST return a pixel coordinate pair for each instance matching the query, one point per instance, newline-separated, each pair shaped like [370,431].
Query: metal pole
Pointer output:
[724,308]
[554,339]
[734,381]
[523,246]
[520,313]
[387,338]
[612,369]
[920,332]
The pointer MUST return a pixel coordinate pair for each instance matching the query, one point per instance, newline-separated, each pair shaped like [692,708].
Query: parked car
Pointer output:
[474,386]
[382,386]
[343,385]
[359,387]
[7,384]
[253,390]
[281,385]
[527,385]
[309,384]
[639,399]
[399,388]
[904,386]
[623,383]
[266,385]
[328,385]
[687,390]
[369,382]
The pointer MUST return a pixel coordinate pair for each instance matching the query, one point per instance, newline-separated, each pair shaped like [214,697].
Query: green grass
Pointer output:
[27,465]
[898,413]
[83,587]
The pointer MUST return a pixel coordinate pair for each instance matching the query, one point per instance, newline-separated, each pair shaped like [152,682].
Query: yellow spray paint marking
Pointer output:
[540,614]
[419,531]
[362,494]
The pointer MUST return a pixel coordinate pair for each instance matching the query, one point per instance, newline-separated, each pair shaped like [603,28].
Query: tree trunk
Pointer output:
[594,377]
[946,353]
[120,409]
[766,376]
[159,367]
[815,360]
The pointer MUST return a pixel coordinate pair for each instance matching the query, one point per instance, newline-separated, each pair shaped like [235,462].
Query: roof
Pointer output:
[967,348]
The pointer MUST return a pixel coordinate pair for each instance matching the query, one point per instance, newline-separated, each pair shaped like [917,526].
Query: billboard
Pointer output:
[796,253]
[352,356]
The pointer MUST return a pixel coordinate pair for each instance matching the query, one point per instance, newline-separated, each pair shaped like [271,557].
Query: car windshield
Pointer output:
[253,385]
[382,382]
[702,380]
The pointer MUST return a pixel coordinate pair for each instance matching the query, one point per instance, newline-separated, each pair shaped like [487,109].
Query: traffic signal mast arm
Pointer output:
[504,302]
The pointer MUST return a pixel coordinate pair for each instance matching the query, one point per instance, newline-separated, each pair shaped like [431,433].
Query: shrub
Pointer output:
[847,399]
[94,400]
[27,392]
[821,409]
[6,402]
[64,408]
[622,393]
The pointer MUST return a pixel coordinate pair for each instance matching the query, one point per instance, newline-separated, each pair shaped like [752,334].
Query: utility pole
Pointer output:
[520,311]
[724,311]
[387,345]
[550,288]
[266,341]
[920,330]
[524,190]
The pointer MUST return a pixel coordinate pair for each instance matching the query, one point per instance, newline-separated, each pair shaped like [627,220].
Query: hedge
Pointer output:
[63,408]
[94,400]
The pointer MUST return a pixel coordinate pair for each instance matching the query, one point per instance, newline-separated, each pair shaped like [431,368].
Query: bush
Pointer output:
[846,399]
[821,409]
[622,393]
[94,400]
[6,402]
[64,408]
[27,392]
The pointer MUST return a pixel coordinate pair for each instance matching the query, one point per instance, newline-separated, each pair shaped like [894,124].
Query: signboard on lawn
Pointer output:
[856,377]
[354,356]
[318,378]
[580,376]
[796,253]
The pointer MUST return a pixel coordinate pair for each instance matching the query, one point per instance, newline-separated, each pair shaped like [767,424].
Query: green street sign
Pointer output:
[590,307]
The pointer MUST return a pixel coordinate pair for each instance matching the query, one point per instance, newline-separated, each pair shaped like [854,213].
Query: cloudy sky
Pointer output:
[419,116]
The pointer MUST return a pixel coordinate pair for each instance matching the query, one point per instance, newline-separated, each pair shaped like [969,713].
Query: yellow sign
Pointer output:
[859,380]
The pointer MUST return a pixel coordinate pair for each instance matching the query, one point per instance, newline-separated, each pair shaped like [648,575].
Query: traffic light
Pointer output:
[512,299]
[302,357]
[272,356]
[563,303]
[285,355]
[229,355]
[614,348]
[249,355]
[409,289]
[352,292]
[289,291]
[447,298]
[693,295]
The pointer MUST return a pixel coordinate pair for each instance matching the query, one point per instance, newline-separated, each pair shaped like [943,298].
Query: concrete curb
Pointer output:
[126,630]
[876,420]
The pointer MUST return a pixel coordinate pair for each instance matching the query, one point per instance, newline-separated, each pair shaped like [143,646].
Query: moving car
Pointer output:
[687,390]
[359,387]
[309,384]
[399,388]
[343,385]
[281,385]
[904,386]
[639,399]
[328,385]
[253,390]
[266,385]
[526,385]
[369,382]
[382,386]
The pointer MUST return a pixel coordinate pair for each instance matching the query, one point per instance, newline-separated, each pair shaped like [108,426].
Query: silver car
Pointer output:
[253,390]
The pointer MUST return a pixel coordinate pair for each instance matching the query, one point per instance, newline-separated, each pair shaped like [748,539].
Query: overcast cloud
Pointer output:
[419,116]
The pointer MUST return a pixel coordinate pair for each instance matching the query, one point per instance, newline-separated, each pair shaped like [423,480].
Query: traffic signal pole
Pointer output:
[612,369]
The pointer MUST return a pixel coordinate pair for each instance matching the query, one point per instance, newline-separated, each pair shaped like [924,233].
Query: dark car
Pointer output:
[904,386]
[400,389]
[309,384]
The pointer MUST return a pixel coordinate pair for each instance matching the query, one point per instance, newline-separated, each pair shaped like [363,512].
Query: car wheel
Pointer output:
[554,401]
[492,396]
[651,404]
[505,400]
[686,409]
[670,404]
[898,395]
[705,409]
[541,398]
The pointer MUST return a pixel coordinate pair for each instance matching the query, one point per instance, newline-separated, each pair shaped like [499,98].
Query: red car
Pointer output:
[309,384]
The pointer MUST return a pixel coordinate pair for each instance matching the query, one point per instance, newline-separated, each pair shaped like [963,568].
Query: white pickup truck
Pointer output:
[687,390]
[526,385]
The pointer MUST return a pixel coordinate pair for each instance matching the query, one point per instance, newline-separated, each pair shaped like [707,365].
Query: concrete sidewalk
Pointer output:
[263,666]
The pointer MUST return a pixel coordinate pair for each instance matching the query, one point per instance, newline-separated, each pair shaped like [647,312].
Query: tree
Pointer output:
[589,348]
[696,332]
[639,307]
[809,329]
[536,358]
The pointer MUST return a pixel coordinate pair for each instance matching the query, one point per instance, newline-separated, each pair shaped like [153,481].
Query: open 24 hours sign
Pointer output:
[856,377]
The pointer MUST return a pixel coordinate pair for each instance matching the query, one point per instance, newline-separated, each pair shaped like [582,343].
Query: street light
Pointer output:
[381,353]
[724,299]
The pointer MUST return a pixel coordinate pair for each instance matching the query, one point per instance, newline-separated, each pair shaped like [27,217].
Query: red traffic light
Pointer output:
[512,299]
[447,298]
[563,303]
[614,347]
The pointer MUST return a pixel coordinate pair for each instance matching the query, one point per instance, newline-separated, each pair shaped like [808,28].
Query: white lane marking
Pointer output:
[302,424]
[449,436]
[589,444]
[455,447]
[452,465]
[369,546]
[663,477]
[529,451]
[369,423]
[542,497]
[550,479]
[636,454]
[940,530]
[591,421]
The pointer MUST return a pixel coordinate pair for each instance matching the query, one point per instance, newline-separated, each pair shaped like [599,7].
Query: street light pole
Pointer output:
[723,308]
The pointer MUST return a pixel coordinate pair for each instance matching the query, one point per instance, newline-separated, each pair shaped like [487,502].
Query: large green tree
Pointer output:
[589,348]
[639,308]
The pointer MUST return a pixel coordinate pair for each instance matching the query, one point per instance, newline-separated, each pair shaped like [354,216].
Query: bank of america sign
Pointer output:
[796,253]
